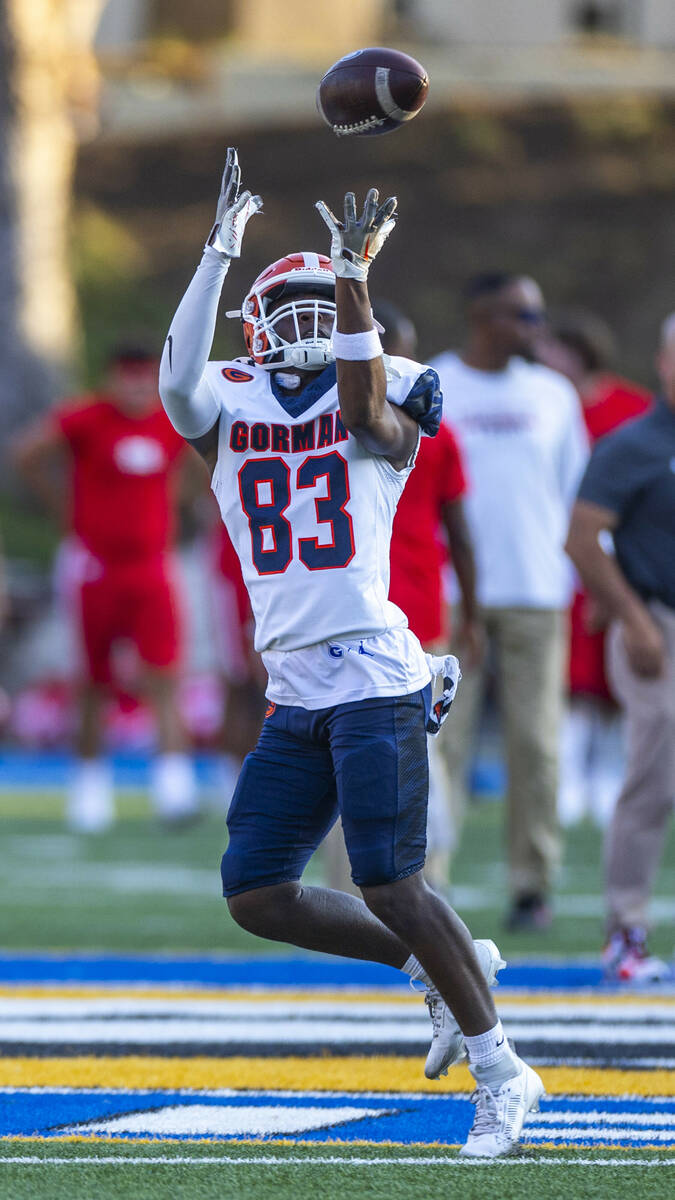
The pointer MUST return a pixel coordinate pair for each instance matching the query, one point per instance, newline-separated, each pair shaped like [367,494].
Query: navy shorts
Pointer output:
[366,761]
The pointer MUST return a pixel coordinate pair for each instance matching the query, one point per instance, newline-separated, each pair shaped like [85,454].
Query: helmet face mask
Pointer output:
[309,318]
[288,315]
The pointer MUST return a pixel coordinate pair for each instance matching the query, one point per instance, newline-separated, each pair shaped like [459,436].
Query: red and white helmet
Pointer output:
[301,274]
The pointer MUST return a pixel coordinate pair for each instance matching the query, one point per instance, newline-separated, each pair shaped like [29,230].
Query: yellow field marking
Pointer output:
[356,1144]
[249,995]
[376,1074]
[274,995]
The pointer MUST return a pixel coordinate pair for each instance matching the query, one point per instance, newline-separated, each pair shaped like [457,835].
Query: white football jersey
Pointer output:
[308,509]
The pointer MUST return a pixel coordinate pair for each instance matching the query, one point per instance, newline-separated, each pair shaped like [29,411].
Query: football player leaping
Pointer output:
[310,440]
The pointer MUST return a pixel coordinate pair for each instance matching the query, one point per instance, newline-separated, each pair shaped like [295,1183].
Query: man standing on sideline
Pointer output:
[581,346]
[429,522]
[524,444]
[108,460]
[430,525]
[628,490]
[310,440]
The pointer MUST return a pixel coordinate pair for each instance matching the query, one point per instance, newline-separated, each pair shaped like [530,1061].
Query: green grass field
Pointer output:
[140,887]
[143,889]
[188,1172]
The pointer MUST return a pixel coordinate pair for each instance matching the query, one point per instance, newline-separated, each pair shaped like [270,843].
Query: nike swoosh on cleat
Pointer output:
[170,345]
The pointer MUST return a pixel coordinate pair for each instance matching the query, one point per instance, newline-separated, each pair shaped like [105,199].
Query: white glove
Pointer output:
[446,666]
[233,210]
[355,241]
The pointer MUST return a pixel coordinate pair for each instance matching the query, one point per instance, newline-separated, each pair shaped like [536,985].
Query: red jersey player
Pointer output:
[241,667]
[581,347]
[119,450]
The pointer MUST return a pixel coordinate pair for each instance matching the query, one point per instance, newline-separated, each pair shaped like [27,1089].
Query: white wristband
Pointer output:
[357,347]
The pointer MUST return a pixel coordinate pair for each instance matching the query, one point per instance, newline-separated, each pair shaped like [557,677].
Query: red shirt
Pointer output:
[120,500]
[417,552]
[227,563]
[611,402]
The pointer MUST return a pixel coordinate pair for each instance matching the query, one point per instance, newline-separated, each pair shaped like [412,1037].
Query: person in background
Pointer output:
[525,447]
[628,491]
[581,346]
[430,526]
[108,459]
[429,523]
[243,675]
[4,590]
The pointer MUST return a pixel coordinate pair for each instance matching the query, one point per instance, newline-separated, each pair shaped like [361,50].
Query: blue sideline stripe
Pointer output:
[262,972]
[52,768]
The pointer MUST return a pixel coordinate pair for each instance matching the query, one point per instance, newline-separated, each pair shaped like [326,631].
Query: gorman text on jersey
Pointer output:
[288,439]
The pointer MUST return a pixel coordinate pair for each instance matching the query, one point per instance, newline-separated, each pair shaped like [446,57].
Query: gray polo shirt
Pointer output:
[632,472]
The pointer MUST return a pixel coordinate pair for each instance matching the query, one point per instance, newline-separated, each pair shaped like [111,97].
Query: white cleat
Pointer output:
[499,1117]
[447,1041]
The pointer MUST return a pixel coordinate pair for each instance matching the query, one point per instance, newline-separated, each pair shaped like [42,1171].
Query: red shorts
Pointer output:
[136,603]
[233,619]
[587,655]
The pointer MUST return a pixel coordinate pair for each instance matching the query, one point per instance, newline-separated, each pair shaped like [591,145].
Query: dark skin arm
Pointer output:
[39,455]
[379,426]
[470,634]
[207,447]
[604,579]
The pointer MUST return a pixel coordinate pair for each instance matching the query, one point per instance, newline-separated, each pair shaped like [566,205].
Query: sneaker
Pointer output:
[498,1121]
[626,959]
[447,1041]
[529,912]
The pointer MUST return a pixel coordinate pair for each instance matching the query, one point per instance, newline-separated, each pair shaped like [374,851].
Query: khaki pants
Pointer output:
[636,835]
[530,645]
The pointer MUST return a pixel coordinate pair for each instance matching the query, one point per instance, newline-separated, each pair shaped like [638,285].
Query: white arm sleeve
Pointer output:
[186,395]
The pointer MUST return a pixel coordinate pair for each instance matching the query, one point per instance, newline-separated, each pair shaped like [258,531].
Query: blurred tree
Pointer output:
[48,96]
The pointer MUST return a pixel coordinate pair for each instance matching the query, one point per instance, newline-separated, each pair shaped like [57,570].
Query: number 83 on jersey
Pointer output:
[266,488]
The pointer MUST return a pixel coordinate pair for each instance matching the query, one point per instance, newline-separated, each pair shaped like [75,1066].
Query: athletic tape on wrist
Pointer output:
[357,347]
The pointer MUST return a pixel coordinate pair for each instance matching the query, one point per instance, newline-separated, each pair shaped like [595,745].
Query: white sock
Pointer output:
[416,971]
[491,1059]
[90,806]
[173,787]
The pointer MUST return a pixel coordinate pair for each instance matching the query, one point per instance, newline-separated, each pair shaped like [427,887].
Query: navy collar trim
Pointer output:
[295,406]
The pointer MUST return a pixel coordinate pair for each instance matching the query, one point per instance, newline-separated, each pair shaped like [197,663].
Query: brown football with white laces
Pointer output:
[371,91]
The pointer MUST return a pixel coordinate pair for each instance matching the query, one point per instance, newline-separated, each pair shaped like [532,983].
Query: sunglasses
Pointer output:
[528,316]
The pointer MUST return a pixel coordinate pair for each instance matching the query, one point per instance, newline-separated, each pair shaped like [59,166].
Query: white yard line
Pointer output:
[584,1133]
[301,1031]
[310,1160]
[276,1008]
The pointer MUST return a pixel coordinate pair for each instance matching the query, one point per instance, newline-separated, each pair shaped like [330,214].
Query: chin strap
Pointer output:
[311,358]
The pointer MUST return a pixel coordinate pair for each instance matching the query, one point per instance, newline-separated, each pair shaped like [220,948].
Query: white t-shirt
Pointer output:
[524,442]
[309,511]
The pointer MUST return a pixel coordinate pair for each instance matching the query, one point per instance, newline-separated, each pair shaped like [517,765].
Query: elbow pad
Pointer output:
[424,402]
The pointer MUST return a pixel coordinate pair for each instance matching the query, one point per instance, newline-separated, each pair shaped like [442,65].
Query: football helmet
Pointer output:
[304,274]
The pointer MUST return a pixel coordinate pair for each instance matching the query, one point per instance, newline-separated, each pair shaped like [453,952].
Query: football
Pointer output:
[371,91]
